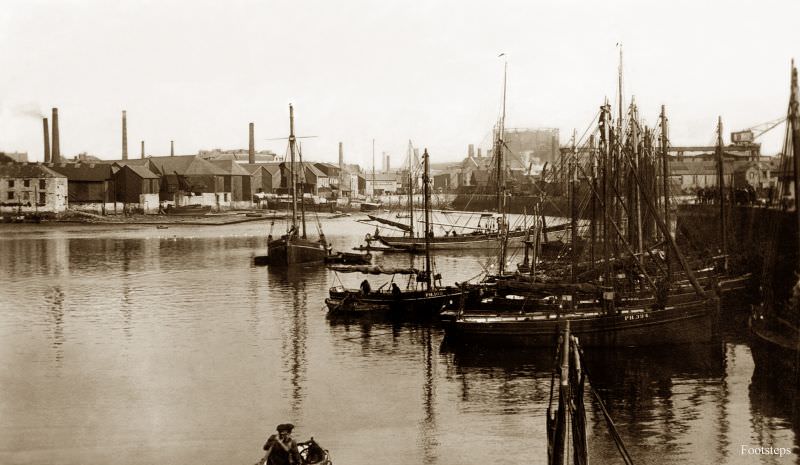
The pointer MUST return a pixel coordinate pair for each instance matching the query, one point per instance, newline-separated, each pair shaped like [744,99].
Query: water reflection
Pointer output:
[54,299]
[141,329]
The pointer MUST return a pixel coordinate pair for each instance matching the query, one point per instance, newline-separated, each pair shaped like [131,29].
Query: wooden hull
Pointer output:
[467,241]
[776,351]
[685,323]
[424,304]
[292,251]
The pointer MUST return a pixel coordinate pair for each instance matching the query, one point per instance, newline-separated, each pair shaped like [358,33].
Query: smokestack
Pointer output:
[251,153]
[142,149]
[479,152]
[124,135]
[56,154]
[172,148]
[341,156]
[471,151]
[46,140]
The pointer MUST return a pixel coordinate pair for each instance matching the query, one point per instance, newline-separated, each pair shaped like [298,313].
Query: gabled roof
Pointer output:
[27,170]
[232,168]
[185,165]
[88,172]
[142,171]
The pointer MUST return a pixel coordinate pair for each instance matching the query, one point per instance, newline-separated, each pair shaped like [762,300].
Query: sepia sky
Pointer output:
[198,72]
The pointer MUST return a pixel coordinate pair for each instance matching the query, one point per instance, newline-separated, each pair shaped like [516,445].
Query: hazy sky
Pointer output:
[198,72]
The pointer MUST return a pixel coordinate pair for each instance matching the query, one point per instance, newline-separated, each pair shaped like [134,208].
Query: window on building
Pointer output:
[26,182]
[42,184]
[42,198]
[10,183]
[10,196]
[26,195]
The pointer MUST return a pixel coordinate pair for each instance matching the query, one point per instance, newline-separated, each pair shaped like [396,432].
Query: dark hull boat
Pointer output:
[295,250]
[347,258]
[409,304]
[774,345]
[694,322]
[466,241]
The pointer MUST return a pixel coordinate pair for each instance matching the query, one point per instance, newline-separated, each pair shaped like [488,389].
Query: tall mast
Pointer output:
[427,194]
[637,157]
[573,174]
[794,121]
[501,188]
[665,179]
[410,189]
[721,192]
[499,146]
[291,167]
[593,200]
[605,150]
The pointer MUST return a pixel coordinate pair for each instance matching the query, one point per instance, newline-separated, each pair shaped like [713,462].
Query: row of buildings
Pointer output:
[233,179]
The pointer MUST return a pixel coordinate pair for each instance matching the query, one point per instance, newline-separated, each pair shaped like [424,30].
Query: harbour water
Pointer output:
[136,345]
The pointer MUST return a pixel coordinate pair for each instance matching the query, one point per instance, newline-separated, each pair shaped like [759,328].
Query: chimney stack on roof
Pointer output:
[46,140]
[56,153]
[124,135]
[172,148]
[142,149]
[251,152]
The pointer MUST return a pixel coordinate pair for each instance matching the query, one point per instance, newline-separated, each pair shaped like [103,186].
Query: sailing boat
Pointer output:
[294,247]
[610,312]
[775,324]
[426,302]
[481,236]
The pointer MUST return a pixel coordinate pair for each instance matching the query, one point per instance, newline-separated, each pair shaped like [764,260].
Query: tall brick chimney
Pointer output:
[124,135]
[142,149]
[46,140]
[56,153]
[172,148]
[251,152]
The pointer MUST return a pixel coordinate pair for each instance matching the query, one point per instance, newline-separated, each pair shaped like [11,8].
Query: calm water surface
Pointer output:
[133,345]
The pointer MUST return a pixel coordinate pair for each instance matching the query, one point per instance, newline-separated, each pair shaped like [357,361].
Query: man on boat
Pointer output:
[365,287]
[281,448]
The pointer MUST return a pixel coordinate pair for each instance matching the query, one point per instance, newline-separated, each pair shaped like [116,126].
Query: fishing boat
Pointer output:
[348,258]
[295,247]
[491,228]
[424,297]
[641,306]
[775,321]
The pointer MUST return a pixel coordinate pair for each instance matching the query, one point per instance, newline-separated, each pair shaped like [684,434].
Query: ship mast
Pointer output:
[410,189]
[501,188]
[291,167]
[794,122]
[665,179]
[427,206]
[721,193]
